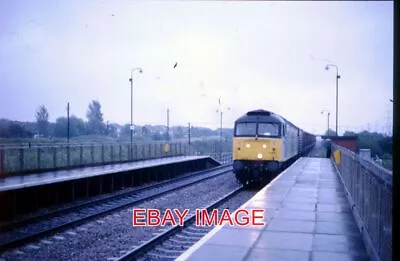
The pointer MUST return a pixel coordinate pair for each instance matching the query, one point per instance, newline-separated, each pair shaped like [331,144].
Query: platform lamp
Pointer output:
[131,126]
[220,130]
[328,113]
[337,80]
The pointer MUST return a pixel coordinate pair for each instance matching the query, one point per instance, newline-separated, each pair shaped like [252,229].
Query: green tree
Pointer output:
[349,133]
[179,132]
[112,129]
[330,132]
[10,129]
[157,136]
[76,127]
[95,118]
[42,120]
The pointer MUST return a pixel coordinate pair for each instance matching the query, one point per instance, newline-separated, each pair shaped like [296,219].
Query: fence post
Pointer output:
[120,152]
[92,153]
[102,153]
[54,157]
[69,155]
[38,157]
[149,156]
[1,160]
[81,154]
[21,159]
[111,153]
[136,152]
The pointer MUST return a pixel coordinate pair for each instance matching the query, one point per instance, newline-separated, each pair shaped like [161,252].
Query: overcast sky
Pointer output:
[254,55]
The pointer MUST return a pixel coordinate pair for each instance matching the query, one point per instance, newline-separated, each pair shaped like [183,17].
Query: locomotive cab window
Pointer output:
[268,129]
[246,129]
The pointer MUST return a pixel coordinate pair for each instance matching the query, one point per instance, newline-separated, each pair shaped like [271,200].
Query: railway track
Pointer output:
[171,243]
[30,229]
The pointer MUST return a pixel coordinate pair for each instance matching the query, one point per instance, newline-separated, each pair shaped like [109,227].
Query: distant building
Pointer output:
[348,142]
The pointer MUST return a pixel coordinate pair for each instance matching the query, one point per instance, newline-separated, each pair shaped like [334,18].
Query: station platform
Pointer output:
[30,180]
[307,218]
[27,193]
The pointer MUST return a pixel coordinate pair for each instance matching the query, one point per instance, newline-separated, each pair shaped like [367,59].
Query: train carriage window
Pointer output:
[246,129]
[268,129]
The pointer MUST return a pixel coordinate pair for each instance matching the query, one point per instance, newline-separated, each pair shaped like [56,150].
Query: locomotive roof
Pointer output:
[264,116]
[260,116]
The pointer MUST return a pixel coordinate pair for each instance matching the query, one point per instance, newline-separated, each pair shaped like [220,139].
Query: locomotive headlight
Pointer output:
[259,156]
[247,145]
[264,146]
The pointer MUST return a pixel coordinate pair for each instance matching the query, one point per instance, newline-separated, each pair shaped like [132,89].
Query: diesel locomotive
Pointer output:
[264,143]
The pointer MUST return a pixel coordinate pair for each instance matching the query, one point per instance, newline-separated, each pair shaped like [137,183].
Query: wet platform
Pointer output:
[30,180]
[28,193]
[307,218]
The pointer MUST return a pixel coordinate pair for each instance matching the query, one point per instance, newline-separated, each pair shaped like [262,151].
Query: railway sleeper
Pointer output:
[159,257]
[179,242]
[192,234]
[198,229]
[168,251]
[182,240]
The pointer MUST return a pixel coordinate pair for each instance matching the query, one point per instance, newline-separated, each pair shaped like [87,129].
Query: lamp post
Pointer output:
[68,122]
[322,112]
[131,81]
[337,80]
[220,130]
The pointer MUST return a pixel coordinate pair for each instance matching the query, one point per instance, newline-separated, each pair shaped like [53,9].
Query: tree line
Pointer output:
[94,124]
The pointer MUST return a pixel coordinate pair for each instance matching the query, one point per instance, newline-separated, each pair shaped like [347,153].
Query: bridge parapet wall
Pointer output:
[369,190]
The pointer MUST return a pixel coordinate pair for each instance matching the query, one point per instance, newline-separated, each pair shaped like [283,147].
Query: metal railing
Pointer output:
[20,159]
[370,189]
[223,158]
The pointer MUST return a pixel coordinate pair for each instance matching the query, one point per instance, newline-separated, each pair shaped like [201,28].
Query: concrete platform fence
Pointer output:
[369,187]
[21,159]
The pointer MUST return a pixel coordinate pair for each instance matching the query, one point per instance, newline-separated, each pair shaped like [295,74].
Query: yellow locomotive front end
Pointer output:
[257,149]
[257,146]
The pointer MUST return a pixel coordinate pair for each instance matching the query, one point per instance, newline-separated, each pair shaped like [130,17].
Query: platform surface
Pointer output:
[30,180]
[307,218]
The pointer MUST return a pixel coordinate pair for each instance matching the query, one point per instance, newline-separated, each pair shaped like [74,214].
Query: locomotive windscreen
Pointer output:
[259,129]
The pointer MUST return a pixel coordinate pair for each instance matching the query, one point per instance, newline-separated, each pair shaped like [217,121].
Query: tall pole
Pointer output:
[220,130]
[68,122]
[220,137]
[189,137]
[328,114]
[337,99]
[337,92]
[328,120]
[168,124]
[189,133]
[131,127]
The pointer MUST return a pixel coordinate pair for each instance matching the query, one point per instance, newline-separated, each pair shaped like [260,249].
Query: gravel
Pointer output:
[180,242]
[111,236]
